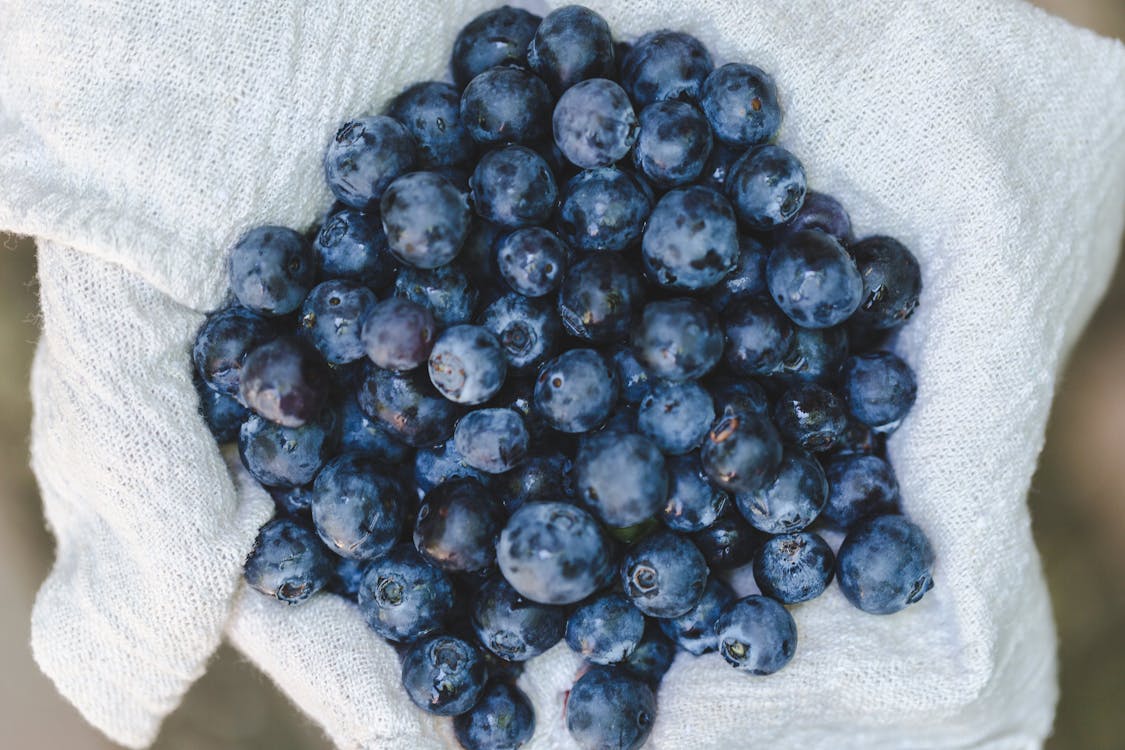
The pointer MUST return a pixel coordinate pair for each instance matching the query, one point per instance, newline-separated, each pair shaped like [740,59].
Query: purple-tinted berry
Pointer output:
[407,404]
[398,334]
[492,440]
[284,381]
[458,523]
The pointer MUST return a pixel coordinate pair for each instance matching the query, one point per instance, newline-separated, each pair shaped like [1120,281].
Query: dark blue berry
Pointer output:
[758,336]
[532,261]
[600,298]
[621,477]
[664,65]
[223,342]
[814,280]
[512,627]
[824,214]
[444,675]
[859,486]
[693,503]
[398,334]
[492,440]
[365,157]
[351,245]
[594,123]
[859,439]
[605,630]
[513,187]
[332,318]
[506,105]
[737,395]
[348,577]
[431,112]
[652,657]
[664,574]
[816,354]
[727,543]
[432,466]
[892,282]
[358,510]
[571,44]
[694,632]
[794,568]
[747,278]
[792,500]
[528,330]
[403,597]
[757,635]
[457,526]
[286,456]
[603,209]
[467,364]
[284,381]
[554,553]
[885,564]
[575,391]
[673,143]
[446,291]
[676,416]
[678,339]
[740,102]
[360,433]
[478,256]
[538,479]
[502,719]
[631,374]
[426,219]
[719,163]
[766,186]
[222,413]
[810,416]
[742,451]
[691,241]
[288,562]
[292,501]
[880,389]
[496,37]
[407,404]
[271,270]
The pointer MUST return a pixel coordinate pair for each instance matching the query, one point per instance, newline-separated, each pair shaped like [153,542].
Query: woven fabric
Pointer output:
[138,140]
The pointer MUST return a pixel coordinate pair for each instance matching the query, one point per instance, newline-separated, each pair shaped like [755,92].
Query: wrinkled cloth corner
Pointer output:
[138,141]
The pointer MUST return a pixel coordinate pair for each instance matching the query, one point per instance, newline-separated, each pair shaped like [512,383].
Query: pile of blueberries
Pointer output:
[574,343]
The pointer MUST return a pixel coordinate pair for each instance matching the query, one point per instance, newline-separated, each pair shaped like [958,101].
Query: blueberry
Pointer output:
[600,298]
[885,564]
[810,416]
[727,543]
[365,157]
[532,261]
[506,105]
[719,163]
[673,143]
[747,278]
[740,102]
[814,280]
[676,416]
[403,597]
[398,334]
[502,719]
[222,413]
[792,500]
[678,339]
[794,568]
[426,219]
[880,389]
[859,439]
[554,553]
[538,479]
[594,123]
[292,501]
[742,451]
[467,364]
[766,186]
[348,577]
[271,270]
[221,346]
[492,440]
[737,395]
[446,291]
[859,486]
[513,187]
[664,574]
[286,456]
[691,241]
[477,256]
[528,331]
[892,282]
[571,44]
[609,710]
[824,214]
[575,391]
[407,404]
[695,632]
[512,627]
[758,336]
[333,315]
[621,477]
[284,381]
[358,510]
[665,65]
[444,675]
[288,562]
[457,526]
[495,37]
[652,657]
[816,354]
[757,635]
[605,630]
[351,245]
[432,466]
[693,503]
[603,209]
[631,374]
[431,112]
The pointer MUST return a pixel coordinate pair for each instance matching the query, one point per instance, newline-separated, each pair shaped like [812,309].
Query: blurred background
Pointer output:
[1077,505]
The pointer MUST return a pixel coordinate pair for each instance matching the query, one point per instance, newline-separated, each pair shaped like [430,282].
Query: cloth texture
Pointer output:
[138,140]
